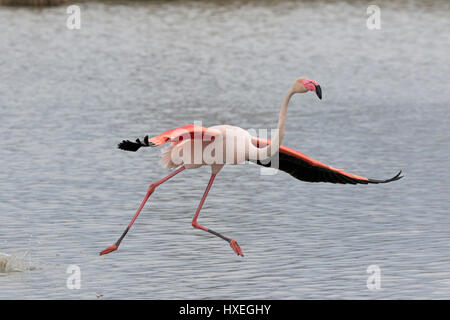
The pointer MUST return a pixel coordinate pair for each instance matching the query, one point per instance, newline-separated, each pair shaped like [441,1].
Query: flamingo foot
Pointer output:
[109,249]
[234,245]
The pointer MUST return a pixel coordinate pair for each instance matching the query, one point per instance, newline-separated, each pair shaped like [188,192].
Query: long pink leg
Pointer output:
[151,188]
[233,244]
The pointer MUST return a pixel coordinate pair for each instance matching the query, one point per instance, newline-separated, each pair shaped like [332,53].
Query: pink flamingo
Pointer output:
[247,148]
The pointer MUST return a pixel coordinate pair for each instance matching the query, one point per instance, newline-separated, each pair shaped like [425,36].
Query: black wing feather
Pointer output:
[134,146]
[305,171]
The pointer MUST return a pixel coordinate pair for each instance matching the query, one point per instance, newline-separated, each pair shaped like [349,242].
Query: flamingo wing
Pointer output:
[304,168]
[176,135]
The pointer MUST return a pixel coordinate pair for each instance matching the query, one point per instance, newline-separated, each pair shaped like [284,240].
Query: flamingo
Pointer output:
[245,148]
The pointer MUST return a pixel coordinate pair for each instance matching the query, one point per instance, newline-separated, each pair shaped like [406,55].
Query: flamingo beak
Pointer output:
[318,91]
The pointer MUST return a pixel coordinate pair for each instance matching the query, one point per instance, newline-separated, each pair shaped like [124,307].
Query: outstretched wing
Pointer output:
[304,168]
[176,135]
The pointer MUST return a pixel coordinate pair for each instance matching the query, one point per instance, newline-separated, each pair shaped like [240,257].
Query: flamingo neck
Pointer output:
[274,146]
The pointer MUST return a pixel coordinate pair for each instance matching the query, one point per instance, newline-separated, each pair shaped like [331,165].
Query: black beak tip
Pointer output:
[319,91]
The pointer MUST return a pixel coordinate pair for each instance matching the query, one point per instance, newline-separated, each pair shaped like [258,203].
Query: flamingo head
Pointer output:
[302,85]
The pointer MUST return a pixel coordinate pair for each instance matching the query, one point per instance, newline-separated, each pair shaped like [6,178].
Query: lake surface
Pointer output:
[67,97]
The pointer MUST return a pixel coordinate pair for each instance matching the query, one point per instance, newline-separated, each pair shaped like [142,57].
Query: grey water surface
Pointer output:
[67,97]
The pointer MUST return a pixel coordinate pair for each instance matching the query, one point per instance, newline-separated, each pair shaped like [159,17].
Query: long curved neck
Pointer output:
[274,146]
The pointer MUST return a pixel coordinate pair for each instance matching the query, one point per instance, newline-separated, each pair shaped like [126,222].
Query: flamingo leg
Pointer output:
[233,244]
[150,190]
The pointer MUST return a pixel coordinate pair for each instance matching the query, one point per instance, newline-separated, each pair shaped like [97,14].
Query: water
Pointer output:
[13,263]
[68,97]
